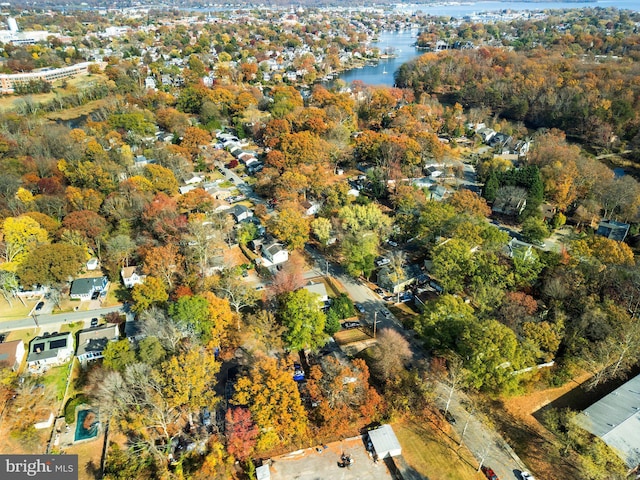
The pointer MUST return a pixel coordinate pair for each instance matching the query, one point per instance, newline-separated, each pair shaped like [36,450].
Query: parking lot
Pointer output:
[311,464]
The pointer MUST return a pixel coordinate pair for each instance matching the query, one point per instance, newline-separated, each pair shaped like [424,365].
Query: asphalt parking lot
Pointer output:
[309,464]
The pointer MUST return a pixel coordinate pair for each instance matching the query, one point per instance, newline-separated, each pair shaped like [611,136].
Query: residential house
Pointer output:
[310,208]
[93,341]
[50,351]
[548,211]
[398,283]
[517,249]
[320,290]
[613,230]
[438,193]
[239,213]
[131,277]
[274,253]
[511,205]
[486,134]
[12,354]
[150,83]
[88,288]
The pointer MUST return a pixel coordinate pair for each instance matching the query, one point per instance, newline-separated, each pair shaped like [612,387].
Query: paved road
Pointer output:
[54,321]
[483,442]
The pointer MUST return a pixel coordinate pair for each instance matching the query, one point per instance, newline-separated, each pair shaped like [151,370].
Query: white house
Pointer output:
[274,253]
[51,351]
[12,354]
[310,208]
[320,290]
[92,342]
[130,276]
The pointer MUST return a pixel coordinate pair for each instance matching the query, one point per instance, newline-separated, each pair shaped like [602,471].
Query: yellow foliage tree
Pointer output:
[273,399]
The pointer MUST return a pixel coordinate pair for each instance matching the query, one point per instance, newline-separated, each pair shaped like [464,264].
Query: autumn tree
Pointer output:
[193,139]
[151,291]
[390,353]
[300,313]
[289,278]
[87,222]
[163,262]
[468,202]
[162,179]
[291,227]
[273,398]
[241,434]
[20,236]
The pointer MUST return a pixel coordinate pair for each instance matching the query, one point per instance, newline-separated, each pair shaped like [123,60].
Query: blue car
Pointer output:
[298,372]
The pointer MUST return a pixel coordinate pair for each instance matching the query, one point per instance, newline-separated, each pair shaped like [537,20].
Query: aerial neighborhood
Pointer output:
[317,242]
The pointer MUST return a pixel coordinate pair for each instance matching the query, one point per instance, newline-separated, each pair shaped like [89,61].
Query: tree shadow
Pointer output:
[93,470]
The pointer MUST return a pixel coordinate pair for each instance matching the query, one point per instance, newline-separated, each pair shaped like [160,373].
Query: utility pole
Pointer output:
[327,268]
[375,321]
[35,319]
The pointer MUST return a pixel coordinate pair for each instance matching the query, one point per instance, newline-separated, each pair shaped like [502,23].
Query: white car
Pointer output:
[526,476]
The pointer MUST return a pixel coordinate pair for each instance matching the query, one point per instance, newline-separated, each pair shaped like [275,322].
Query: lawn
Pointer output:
[16,312]
[432,454]
[56,378]
[344,337]
[404,313]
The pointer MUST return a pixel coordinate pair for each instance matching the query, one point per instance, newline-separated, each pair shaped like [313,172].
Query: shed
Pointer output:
[385,442]
[263,473]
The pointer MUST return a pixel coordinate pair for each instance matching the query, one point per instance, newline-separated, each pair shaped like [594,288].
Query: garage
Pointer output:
[385,443]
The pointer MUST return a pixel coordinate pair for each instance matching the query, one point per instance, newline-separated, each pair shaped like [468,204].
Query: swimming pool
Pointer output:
[87,425]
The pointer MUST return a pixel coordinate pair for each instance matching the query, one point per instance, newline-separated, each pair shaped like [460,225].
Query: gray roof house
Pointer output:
[84,288]
[93,341]
[53,350]
[239,212]
[320,290]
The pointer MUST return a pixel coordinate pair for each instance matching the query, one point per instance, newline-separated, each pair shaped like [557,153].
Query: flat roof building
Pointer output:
[616,420]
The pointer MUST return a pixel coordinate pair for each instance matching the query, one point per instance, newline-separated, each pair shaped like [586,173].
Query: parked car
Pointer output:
[379,291]
[381,262]
[448,417]
[94,322]
[39,306]
[206,417]
[392,243]
[359,307]
[350,325]
[298,372]
[526,476]
[489,473]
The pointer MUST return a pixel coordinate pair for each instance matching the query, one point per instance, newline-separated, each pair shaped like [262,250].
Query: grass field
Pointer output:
[15,312]
[344,337]
[433,454]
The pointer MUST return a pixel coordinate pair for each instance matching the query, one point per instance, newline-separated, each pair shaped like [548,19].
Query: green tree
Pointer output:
[535,229]
[150,350]
[192,312]
[117,355]
[453,264]
[360,252]
[51,264]
[247,232]
[301,315]
[365,218]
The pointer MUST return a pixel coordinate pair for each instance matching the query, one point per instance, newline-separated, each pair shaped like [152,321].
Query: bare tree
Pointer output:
[156,323]
[390,353]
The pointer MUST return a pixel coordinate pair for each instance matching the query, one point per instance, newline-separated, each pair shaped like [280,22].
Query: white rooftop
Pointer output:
[385,442]
[616,420]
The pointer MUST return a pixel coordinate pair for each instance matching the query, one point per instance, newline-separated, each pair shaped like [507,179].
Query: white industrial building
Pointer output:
[616,420]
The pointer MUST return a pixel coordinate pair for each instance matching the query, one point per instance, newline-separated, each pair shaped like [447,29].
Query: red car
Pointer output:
[490,474]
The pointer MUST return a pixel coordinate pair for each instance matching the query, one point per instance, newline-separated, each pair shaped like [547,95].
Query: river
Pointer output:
[402,42]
